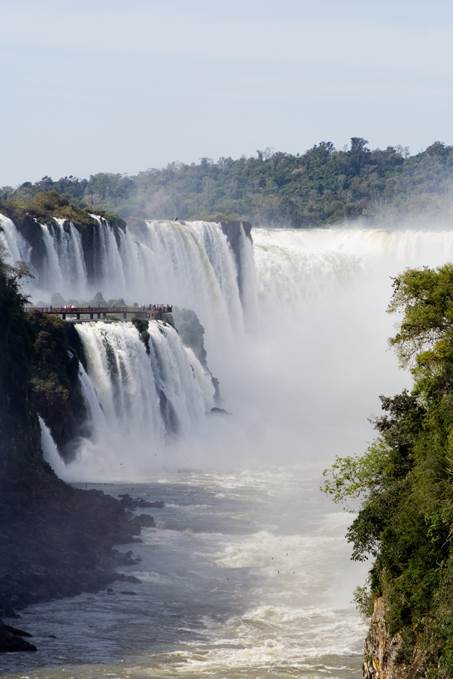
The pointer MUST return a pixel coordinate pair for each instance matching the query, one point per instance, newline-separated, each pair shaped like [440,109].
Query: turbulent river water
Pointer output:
[247,573]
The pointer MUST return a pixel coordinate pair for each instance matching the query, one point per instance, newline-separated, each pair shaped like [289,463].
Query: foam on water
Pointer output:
[221,594]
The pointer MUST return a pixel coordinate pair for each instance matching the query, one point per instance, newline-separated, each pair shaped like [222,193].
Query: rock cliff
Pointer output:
[55,540]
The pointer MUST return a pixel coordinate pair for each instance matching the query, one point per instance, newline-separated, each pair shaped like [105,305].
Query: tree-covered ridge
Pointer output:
[46,205]
[321,186]
[405,481]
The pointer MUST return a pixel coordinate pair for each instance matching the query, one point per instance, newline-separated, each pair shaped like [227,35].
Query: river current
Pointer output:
[246,574]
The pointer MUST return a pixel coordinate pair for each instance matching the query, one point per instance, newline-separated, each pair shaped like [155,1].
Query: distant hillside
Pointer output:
[322,186]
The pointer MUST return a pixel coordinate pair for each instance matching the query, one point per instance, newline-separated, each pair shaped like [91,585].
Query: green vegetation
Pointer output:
[41,354]
[321,186]
[405,480]
[46,205]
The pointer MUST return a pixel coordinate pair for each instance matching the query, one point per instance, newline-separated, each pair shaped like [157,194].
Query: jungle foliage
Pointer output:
[47,204]
[405,480]
[321,186]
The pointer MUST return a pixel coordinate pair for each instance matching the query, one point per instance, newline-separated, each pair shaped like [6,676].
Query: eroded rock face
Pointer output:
[55,540]
[235,230]
[380,650]
[192,333]
[56,392]
[383,653]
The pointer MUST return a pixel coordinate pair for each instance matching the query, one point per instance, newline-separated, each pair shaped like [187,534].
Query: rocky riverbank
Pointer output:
[55,540]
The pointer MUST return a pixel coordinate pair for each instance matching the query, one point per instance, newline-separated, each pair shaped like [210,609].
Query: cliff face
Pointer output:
[384,656]
[381,649]
[191,331]
[56,394]
[28,223]
[55,540]
[234,230]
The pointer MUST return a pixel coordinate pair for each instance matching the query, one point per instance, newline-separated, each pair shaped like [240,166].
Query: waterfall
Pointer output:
[137,400]
[110,264]
[70,253]
[15,246]
[310,380]
[189,264]
[193,266]
[296,265]
[303,382]
[50,450]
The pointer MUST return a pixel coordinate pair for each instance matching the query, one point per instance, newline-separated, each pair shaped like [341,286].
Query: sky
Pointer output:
[125,85]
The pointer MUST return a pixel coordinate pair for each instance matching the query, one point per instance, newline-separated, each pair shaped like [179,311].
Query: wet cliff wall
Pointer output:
[55,540]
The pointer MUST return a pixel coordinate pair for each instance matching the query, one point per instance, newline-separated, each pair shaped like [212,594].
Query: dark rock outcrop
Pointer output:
[235,230]
[130,502]
[12,640]
[55,540]
[56,394]
[191,331]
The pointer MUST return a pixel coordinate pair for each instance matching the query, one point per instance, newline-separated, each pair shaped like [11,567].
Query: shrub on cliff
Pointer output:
[405,479]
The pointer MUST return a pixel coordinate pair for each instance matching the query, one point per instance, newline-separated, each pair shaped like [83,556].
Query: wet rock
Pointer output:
[9,612]
[130,502]
[125,558]
[219,411]
[12,640]
[146,521]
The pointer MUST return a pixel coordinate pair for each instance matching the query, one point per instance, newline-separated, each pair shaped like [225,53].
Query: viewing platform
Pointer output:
[73,314]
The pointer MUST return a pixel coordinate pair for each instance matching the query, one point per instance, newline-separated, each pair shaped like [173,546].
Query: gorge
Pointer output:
[292,324]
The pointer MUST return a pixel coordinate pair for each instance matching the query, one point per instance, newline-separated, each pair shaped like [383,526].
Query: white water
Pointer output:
[15,246]
[193,266]
[123,389]
[307,374]
[313,373]
[50,450]
[188,264]
[248,573]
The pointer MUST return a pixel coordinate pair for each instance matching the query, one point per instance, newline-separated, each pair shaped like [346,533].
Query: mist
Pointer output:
[301,368]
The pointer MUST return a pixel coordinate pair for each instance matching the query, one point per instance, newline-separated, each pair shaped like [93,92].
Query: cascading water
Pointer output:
[136,400]
[247,573]
[50,450]
[296,265]
[311,377]
[15,246]
[189,264]
[193,265]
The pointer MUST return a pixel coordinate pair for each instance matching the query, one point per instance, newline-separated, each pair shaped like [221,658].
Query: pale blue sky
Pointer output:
[121,86]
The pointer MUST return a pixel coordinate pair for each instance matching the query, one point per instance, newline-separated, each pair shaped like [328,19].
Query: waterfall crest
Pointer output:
[189,264]
[297,265]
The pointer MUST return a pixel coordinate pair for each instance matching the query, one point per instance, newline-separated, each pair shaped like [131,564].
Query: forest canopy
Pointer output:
[324,185]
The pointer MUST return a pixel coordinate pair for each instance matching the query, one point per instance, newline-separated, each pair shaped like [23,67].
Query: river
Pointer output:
[246,574]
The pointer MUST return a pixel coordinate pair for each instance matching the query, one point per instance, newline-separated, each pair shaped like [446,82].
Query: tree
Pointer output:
[405,480]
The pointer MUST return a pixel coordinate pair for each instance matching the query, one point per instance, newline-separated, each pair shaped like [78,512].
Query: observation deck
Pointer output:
[82,314]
